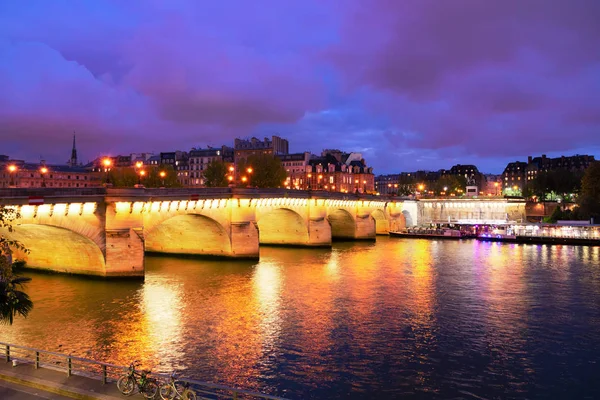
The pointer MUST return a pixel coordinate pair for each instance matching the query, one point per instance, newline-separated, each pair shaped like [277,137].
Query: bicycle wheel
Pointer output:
[188,394]
[125,384]
[150,388]
[166,391]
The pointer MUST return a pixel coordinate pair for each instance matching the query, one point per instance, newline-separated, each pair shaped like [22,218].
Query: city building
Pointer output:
[179,160]
[513,178]
[493,185]
[245,148]
[200,158]
[296,166]
[339,172]
[545,164]
[387,184]
[18,173]
[470,173]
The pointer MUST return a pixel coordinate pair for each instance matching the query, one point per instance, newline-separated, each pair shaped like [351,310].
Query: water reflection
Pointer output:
[396,318]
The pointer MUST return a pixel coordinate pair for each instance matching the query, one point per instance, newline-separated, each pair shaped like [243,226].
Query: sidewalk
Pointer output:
[75,387]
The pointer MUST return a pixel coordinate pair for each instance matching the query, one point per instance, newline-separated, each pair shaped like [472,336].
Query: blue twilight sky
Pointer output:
[412,84]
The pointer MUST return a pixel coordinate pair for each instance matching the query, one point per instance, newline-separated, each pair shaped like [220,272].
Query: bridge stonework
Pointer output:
[106,232]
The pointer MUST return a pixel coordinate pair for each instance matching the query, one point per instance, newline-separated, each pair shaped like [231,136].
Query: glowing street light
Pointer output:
[496,186]
[139,164]
[11,171]
[162,175]
[107,163]
[43,172]
[309,180]
[141,174]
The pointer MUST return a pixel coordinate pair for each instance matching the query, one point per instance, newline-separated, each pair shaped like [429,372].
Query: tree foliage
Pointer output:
[13,301]
[129,176]
[453,183]
[548,184]
[267,171]
[589,198]
[215,174]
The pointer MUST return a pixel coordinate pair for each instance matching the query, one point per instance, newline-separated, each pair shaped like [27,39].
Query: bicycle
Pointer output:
[132,378]
[170,391]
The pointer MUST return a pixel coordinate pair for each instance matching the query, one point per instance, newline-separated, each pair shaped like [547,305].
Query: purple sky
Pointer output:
[412,84]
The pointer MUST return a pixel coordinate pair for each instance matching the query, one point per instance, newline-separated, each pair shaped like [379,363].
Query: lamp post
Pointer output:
[11,171]
[364,186]
[309,179]
[43,172]
[496,186]
[249,170]
[320,177]
[107,163]
[162,177]
[231,177]
[356,183]
[421,187]
[141,174]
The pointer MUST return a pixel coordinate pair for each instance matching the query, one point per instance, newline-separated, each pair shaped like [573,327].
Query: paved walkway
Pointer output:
[50,384]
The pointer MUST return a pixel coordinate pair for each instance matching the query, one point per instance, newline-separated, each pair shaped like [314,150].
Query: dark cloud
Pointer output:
[411,84]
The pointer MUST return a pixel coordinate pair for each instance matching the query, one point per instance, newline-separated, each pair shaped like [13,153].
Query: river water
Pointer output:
[396,318]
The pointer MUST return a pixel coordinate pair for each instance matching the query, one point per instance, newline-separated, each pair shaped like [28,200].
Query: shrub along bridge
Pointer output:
[105,232]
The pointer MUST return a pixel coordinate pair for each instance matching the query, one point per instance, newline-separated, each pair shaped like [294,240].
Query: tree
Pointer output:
[129,177]
[215,174]
[266,171]
[589,198]
[13,301]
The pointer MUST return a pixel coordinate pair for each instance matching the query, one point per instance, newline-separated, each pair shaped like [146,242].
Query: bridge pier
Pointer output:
[124,253]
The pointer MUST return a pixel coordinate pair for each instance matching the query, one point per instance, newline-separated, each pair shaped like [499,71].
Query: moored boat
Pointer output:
[451,234]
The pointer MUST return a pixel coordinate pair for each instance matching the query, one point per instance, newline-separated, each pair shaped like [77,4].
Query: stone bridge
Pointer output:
[105,232]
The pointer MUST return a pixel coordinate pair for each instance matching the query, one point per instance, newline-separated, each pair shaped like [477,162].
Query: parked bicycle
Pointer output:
[174,390]
[132,378]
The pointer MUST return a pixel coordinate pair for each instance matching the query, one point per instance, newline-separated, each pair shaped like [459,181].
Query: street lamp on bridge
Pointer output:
[12,169]
[43,172]
[107,162]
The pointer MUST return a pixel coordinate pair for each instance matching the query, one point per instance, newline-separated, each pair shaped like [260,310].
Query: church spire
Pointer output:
[73,160]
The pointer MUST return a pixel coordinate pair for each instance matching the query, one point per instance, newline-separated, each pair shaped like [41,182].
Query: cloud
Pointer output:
[412,84]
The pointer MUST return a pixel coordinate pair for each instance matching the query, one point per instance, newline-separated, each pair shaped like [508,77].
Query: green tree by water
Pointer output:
[267,171]
[13,301]
[215,174]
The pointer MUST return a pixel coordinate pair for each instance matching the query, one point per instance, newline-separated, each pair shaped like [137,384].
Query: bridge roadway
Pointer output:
[106,232]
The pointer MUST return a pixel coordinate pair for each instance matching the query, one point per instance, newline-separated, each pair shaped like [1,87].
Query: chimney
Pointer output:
[543,156]
[529,158]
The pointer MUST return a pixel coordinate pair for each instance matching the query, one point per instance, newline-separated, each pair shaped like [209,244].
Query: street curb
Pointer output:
[54,388]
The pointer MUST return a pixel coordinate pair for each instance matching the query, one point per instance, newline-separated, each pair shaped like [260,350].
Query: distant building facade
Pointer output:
[513,177]
[18,173]
[545,164]
[199,159]
[245,148]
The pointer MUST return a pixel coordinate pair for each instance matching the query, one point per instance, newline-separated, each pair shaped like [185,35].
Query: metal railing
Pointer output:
[107,373]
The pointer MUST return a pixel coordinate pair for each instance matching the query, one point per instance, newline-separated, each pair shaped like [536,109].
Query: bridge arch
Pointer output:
[283,226]
[408,220]
[343,224]
[58,249]
[382,223]
[192,234]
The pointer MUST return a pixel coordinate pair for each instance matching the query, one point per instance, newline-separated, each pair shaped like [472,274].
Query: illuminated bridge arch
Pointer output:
[382,223]
[343,224]
[283,226]
[192,234]
[58,249]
